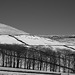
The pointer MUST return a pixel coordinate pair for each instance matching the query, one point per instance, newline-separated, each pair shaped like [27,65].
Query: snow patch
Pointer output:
[59,47]
[5,39]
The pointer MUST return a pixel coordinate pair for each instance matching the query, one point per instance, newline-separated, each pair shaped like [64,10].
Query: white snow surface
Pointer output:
[72,46]
[35,40]
[5,29]
[5,39]
[46,42]
[60,47]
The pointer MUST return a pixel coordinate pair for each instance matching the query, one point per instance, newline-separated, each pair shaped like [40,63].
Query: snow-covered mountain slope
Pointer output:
[6,39]
[10,35]
[31,41]
[68,40]
[35,40]
[5,29]
[45,42]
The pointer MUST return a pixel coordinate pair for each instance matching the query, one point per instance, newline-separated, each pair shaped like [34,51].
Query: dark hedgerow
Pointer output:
[37,58]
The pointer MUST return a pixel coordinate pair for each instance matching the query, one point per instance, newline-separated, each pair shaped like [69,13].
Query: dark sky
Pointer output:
[41,17]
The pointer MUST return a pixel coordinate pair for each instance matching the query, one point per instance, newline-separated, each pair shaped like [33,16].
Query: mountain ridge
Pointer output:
[8,30]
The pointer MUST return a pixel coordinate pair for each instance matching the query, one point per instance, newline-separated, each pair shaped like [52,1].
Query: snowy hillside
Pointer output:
[5,29]
[5,39]
[10,35]
[35,41]
[68,40]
